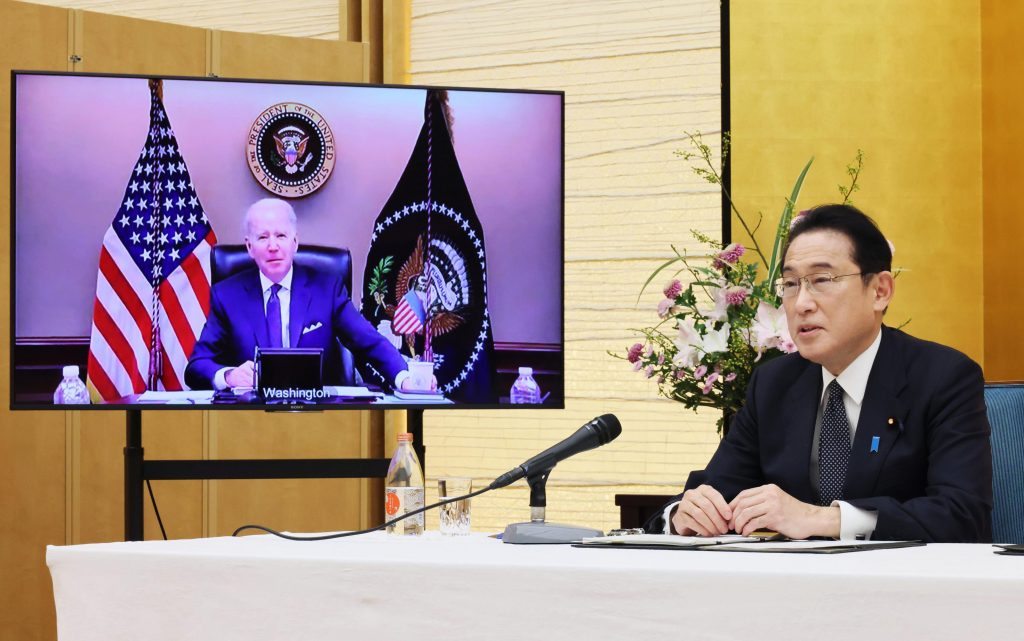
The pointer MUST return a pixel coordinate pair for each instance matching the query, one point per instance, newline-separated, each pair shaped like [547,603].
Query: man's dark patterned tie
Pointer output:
[833,446]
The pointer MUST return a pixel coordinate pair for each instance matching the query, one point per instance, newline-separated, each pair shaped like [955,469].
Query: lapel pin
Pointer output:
[892,421]
[874,442]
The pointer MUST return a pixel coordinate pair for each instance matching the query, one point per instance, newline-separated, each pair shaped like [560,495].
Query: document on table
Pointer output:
[349,391]
[814,547]
[665,541]
[194,396]
[736,543]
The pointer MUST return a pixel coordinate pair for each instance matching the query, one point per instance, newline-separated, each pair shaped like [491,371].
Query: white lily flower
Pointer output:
[717,340]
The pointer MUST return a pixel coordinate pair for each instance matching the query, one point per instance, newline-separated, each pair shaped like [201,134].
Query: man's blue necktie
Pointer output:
[274,317]
[833,446]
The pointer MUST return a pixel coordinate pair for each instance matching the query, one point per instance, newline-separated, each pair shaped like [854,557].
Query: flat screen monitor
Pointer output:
[166,229]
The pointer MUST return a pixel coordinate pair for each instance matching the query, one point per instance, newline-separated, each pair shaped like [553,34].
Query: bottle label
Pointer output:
[402,500]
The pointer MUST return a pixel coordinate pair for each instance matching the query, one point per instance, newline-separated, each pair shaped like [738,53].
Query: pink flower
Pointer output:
[730,377]
[633,355]
[680,374]
[729,256]
[736,294]
[649,371]
[637,366]
[673,289]
[709,383]
[700,371]
[664,307]
[661,360]
[661,379]
[796,218]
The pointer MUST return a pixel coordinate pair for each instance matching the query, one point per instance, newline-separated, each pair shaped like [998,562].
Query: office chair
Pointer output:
[228,260]
[1005,405]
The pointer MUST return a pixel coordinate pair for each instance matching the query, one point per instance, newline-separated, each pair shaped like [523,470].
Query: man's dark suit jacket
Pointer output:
[931,477]
[320,310]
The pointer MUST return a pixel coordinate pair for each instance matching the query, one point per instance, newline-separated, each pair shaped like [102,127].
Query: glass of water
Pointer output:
[454,516]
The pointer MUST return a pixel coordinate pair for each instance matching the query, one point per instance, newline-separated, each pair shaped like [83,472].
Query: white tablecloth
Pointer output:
[431,587]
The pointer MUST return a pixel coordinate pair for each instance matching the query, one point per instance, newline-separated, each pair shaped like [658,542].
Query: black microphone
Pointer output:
[603,429]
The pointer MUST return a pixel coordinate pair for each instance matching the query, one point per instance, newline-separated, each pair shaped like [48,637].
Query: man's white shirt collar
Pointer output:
[286,282]
[854,379]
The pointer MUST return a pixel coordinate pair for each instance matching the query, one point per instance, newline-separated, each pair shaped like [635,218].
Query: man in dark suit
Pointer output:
[280,304]
[866,432]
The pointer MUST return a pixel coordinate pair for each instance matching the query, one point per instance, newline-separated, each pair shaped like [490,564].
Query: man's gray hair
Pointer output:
[273,204]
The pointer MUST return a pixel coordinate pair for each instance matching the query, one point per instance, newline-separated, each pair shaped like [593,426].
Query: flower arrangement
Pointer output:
[718,319]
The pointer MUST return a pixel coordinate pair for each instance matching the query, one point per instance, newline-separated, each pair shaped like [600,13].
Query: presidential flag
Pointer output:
[153,286]
[427,245]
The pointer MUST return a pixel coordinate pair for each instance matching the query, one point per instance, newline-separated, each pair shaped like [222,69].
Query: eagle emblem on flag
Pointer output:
[427,253]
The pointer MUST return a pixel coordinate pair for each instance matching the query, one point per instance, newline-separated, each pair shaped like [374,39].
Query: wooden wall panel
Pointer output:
[308,505]
[113,44]
[245,55]
[63,471]
[307,19]
[32,444]
[636,76]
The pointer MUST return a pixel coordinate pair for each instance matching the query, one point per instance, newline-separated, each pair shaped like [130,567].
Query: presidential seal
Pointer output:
[290,150]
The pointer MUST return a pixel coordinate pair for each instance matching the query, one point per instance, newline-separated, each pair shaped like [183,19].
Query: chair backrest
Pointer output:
[1005,404]
[228,260]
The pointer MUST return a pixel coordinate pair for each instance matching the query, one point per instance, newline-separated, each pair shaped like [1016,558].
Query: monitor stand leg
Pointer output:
[133,461]
[414,424]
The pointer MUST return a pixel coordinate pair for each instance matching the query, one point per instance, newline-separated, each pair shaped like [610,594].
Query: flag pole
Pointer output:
[156,87]
[428,354]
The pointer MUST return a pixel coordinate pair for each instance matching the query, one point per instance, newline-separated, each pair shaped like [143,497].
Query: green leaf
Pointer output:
[782,231]
[677,259]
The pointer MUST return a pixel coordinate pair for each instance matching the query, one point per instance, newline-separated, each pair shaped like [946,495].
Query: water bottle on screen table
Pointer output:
[72,390]
[403,489]
[525,390]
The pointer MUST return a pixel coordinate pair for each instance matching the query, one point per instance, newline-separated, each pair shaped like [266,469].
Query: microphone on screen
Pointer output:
[600,431]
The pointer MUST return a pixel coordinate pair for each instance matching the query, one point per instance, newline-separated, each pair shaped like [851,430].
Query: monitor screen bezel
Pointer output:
[558,403]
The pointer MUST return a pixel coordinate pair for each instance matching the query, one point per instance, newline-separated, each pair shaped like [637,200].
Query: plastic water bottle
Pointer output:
[72,390]
[403,489]
[525,390]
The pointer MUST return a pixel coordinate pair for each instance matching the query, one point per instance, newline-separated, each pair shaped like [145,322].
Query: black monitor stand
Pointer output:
[137,470]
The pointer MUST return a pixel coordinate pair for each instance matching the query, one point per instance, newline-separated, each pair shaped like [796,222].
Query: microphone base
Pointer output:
[534,533]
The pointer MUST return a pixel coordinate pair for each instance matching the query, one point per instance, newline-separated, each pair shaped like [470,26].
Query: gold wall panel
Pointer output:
[900,81]
[1002,134]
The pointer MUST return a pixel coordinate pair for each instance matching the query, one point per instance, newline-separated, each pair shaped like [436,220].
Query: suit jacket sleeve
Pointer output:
[956,502]
[212,344]
[365,342]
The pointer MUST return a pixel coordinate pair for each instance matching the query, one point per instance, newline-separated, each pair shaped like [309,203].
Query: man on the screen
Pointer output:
[281,304]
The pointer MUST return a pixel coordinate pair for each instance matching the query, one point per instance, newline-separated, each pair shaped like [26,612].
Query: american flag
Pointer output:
[409,315]
[153,287]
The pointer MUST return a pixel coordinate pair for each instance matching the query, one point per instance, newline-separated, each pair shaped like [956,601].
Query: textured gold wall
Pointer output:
[900,80]
[636,76]
[1002,69]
